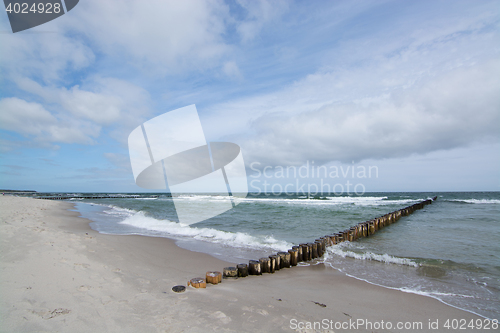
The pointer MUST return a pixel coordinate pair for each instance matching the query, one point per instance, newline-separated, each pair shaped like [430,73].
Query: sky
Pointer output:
[408,88]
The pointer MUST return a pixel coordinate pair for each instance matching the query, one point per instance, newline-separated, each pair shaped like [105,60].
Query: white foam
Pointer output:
[432,293]
[476,201]
[234,239]
[370,201]
[115,210]
[303,200]
[385,258]
[194,197]
[350,200]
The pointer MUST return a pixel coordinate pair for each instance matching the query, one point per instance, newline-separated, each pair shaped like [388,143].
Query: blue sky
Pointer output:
[411,87]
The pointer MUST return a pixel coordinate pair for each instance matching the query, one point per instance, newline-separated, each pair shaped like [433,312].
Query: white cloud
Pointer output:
[417,85]
[33,120]
[452,110]
[110,102]
[24,117]
[159,36]
[46,55]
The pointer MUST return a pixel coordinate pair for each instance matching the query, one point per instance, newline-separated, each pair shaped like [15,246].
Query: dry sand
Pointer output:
[58,275]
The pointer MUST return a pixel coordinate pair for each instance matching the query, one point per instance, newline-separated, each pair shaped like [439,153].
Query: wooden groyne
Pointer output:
[308,251]
[68,197]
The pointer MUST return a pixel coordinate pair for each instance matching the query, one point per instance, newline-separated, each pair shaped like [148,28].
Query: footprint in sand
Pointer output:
[221,316]
[262,312]
[83,265]
[84,288]
[51,314]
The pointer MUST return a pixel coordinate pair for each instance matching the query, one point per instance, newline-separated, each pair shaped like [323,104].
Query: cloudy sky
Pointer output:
[411,87]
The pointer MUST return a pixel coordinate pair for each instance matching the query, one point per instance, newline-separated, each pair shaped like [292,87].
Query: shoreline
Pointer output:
[123,283]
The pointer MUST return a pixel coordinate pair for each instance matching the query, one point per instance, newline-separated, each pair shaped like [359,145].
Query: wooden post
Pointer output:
[360,230]
[254,267]
[324,243]
[198,283]
[351,235]
[282,259]
[213,277]
[230,272]
[285,259]
[372,228]
[272,264]
[314,252]
[319,247]
[294,256]
[277,261]
[242,270]
[265,265]
[357,231]
[299,252]
[305,252]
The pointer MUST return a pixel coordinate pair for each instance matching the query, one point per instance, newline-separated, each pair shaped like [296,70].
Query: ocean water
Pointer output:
[449,250]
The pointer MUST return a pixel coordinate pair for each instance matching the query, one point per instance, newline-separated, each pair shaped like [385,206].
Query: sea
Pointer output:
[449,250]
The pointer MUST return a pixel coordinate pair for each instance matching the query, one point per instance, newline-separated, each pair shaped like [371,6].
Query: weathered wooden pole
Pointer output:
[198,283]
[242,270]
[213,277]
[272,264]
[230,272]
[305,252]
[285,259]
[277,261]
[294,256]
[254,267]
[319,247]
[265,265]
[372,228]
[324,243]
[351,235]
[314,252]
[299,252]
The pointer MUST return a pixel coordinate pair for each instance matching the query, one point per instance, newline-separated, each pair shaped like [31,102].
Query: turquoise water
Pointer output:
[449,250]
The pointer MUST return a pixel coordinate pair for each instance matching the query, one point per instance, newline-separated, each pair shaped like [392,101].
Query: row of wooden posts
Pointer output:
[307,251]
[69,197]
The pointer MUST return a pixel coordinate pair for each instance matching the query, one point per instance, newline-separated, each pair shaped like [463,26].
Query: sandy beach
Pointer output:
[59,275]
